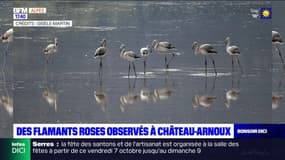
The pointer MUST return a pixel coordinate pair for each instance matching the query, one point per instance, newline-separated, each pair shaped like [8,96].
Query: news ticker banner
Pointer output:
[74,149]
[148,131]
[84,141]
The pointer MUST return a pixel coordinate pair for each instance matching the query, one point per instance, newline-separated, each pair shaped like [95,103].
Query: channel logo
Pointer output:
[18,148]
[20,13]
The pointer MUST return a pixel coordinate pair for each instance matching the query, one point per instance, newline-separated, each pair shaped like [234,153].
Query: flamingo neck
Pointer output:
[103,44]
[196,49]
[122,52]
[228,43]
[155,44]
[198,101]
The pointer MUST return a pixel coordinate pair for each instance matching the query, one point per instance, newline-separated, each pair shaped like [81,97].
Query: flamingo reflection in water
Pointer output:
[50,98]
[101,97]
[205,99]
[7,103]
[49,95]
[232,94]
[6,100]
[130,98]
[276,100]
[146,95]
[165,92]
[277,95]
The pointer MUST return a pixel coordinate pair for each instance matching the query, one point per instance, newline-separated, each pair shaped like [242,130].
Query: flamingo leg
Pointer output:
[6,50]
[214,65]
[101,67]
[100,71]
[232,81]
[101,62]
[233,64]
[144,65]
[129,69]
[206,65]
[241,69]
[173,55]
[206,83]
[280,55]
[134,69]
[165,60]
[134,84]
[47,59]
[214,84]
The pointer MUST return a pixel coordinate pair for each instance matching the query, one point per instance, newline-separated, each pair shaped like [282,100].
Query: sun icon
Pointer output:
[266,13]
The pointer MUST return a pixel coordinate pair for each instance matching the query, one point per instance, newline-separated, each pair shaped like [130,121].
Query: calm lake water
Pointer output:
[63,91]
